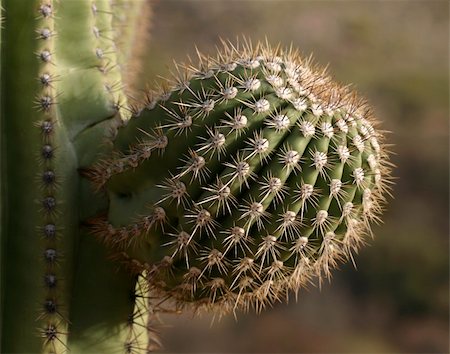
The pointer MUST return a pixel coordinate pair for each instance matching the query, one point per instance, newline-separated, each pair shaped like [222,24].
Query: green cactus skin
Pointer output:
[61,96]
[243,180]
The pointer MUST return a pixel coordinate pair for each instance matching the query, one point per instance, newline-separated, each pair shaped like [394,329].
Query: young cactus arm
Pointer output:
[247,178]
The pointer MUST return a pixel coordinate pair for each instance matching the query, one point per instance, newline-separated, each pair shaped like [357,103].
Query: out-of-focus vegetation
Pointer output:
[397,55]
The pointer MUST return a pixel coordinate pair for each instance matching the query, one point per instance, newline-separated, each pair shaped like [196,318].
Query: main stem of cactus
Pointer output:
[60,96]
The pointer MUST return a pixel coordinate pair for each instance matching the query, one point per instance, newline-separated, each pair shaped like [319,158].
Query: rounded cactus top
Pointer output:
[243,179]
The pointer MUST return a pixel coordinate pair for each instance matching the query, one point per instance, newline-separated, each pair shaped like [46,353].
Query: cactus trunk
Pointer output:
[61,94]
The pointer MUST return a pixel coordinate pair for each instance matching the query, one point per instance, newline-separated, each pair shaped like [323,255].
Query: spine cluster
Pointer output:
[252,174]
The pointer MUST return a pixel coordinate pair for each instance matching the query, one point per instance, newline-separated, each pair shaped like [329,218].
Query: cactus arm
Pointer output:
[233,213]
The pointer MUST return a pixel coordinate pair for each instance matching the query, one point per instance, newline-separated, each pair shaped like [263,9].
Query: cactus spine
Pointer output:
[238,182]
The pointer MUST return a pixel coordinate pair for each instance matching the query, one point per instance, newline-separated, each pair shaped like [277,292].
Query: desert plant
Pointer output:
[61,91]
[235,183]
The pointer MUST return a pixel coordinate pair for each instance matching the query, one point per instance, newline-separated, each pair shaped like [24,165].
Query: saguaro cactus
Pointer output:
[234,184]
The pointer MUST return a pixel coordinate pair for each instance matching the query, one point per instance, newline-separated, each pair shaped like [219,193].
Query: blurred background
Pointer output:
[396,53]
